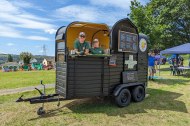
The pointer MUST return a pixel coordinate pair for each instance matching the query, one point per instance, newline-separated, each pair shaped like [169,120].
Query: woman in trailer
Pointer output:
[95,47]
[81,46]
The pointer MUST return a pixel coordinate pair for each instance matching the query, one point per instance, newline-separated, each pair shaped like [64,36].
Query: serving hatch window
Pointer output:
[92,31]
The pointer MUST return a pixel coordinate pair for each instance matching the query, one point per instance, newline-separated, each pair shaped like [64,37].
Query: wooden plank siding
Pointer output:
[92,76]
[142,66]
[85,77]
[61,79]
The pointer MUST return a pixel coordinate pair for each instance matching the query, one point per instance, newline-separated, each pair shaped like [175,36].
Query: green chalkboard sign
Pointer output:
[128,42]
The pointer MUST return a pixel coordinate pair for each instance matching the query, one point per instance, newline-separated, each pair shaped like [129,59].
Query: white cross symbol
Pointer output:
[130,62]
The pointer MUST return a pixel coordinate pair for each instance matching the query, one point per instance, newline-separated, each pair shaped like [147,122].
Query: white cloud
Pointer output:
[24,4]
[124,4]
[90,13]
[38,38]
[13,16]
[100,11]
[51,31]
[76,12]
[6,6]
[7,31]
[24,22]
[10,44]
[1,52]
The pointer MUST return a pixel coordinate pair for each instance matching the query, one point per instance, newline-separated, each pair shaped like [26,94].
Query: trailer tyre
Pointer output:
[138,93]
[124,98]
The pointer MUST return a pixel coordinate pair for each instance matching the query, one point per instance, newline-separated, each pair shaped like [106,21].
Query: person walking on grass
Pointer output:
[151,65]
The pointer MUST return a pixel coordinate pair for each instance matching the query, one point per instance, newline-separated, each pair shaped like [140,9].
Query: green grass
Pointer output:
[25,78]
[168,104]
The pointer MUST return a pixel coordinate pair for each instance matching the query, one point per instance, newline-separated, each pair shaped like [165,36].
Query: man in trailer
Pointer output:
[95,47]
[81,46]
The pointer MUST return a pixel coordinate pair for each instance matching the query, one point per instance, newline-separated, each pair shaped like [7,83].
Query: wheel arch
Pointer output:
[119,87]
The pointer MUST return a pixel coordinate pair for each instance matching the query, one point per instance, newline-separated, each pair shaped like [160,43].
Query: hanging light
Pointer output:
[105,34]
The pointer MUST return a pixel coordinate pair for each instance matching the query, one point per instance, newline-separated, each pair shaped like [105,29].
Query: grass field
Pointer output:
[25,78]
[168,104]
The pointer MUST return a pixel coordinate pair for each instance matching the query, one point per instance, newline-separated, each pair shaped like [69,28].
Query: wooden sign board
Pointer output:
[128,42]
[112,60]
[129,76]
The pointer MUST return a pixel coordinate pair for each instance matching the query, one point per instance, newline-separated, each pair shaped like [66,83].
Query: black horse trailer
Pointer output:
[120,73]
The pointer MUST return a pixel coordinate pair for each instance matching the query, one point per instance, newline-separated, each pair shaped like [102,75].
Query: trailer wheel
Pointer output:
[123,99]
[41,111]
[138,93]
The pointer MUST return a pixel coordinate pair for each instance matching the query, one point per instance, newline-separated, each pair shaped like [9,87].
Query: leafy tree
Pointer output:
[10,58]
[175,15]
[166,22]
[26,56]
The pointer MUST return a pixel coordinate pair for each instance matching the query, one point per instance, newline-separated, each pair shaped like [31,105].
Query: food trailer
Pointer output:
[120,73]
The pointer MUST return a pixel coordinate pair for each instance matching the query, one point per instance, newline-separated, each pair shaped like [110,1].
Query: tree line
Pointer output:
[166,22]
[25,56]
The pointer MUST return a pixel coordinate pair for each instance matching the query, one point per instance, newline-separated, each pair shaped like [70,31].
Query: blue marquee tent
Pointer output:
[181,49]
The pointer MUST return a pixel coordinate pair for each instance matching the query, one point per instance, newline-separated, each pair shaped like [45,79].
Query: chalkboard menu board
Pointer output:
[127,42]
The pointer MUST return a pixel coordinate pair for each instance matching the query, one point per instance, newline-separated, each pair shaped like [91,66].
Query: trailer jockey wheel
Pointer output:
[124,98]
[138,93]
[41,111]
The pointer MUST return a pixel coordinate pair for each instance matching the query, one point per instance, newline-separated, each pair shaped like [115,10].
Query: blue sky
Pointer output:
[26,25]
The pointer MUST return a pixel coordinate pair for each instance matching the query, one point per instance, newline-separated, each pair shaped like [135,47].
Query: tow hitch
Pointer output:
[43,98]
